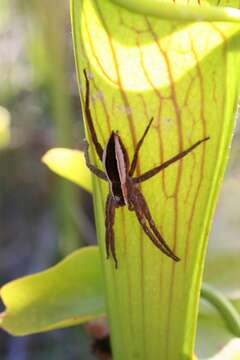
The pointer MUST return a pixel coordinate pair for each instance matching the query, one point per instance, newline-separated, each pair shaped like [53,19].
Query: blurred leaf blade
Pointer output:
[69,164]
[224,306]
[67,294]
[4,127]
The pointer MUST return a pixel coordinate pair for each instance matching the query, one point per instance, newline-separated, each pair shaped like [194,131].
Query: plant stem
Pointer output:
[224,306]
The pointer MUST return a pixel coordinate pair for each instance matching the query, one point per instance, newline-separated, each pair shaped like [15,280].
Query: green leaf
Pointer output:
[185,75]
[177,11]
[69,293]
[69,164]
[228,312]
[4,127]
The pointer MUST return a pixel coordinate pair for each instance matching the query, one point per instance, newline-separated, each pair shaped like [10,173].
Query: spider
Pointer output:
[123,187]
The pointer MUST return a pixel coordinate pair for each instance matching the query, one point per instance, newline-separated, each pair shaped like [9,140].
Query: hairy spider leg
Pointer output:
[91,167]
[139,144]
[89,119]
[144,207]
[142,221]
[109,222]
[150,173]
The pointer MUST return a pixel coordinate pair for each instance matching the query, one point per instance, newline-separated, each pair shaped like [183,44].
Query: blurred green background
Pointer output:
[43,217]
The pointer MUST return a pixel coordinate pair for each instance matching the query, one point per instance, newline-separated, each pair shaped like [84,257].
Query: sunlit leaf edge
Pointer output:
[69,164]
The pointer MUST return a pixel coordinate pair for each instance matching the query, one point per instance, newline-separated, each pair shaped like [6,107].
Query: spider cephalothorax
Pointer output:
[123,187]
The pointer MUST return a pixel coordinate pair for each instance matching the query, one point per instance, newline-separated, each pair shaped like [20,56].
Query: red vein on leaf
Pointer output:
[177,186]
[200,175]
[103,103]
[95,55]
[161,99]
[129,115]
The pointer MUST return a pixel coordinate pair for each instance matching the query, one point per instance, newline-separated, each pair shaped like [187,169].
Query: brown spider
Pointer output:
[123,187]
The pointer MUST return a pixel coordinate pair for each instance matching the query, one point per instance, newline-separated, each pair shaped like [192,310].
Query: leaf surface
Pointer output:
[69,293]
[69,164]
[4,127]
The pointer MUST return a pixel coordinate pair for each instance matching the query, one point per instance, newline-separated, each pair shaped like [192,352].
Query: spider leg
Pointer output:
[142,222]
[91,167]
[109,222]
[148,216]
[139,144]
[89,119]
[147,175]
